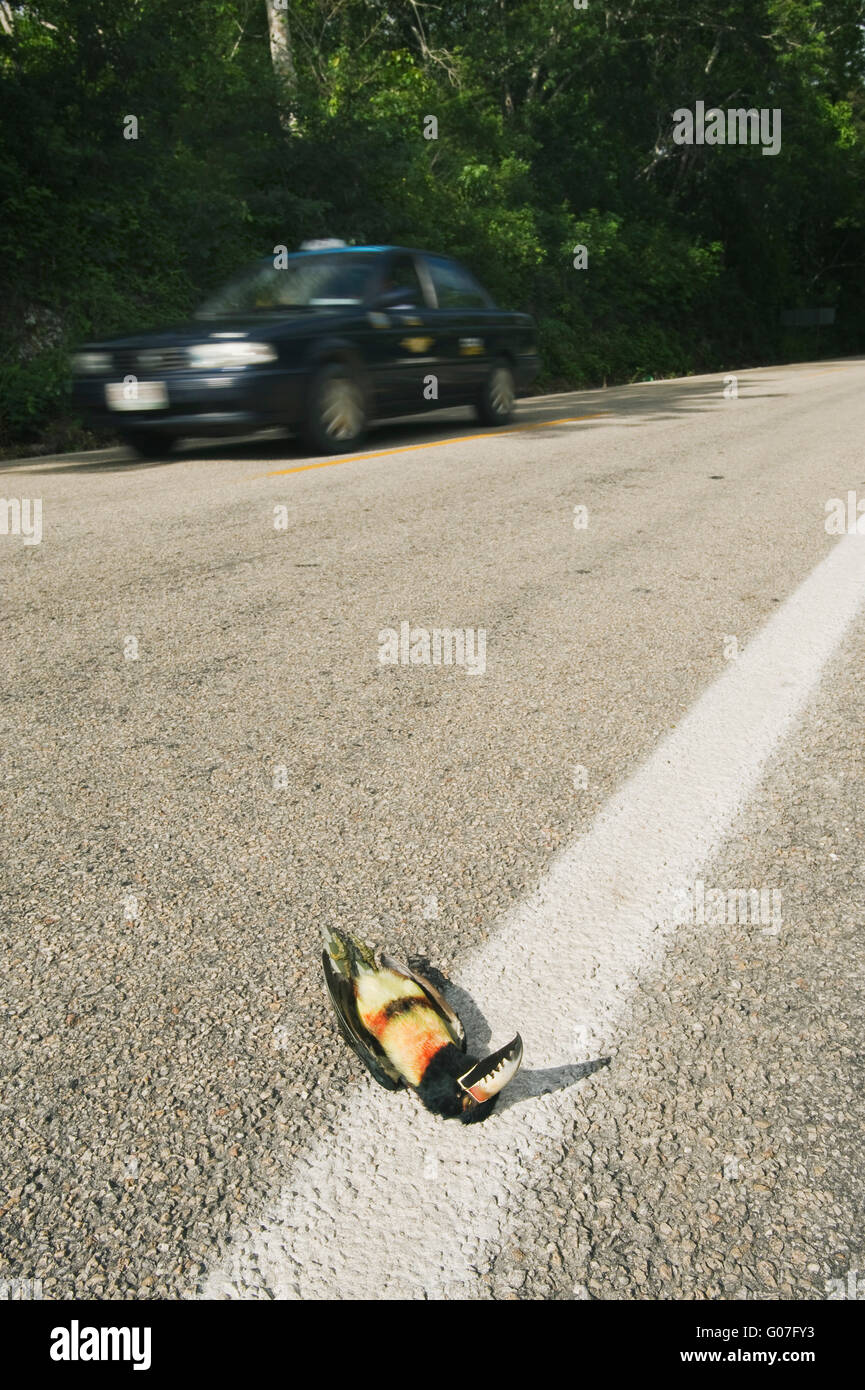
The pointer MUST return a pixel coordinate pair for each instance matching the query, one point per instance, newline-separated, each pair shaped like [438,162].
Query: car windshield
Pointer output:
[305,282]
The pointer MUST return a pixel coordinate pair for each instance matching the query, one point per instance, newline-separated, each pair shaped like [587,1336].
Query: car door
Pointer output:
[405,341]
[465,316]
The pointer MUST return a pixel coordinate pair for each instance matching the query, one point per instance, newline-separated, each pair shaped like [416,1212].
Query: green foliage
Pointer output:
[554,130]
[32,391]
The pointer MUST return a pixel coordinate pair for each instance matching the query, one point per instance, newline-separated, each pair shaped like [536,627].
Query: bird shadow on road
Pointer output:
[526,1085]
[529,1085]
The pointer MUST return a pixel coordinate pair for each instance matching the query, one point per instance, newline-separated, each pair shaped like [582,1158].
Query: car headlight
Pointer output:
[85,362]
[230,354]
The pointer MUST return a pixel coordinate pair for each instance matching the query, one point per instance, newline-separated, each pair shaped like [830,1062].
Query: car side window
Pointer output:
[402,275]
[455,288]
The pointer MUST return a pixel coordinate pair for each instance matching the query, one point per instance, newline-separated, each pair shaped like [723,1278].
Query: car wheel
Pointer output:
[336,415]
[147,444]
[498,395]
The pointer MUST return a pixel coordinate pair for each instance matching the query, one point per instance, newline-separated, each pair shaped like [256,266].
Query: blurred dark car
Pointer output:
[319,343]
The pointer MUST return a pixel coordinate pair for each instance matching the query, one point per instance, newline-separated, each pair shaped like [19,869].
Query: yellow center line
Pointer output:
[431,444]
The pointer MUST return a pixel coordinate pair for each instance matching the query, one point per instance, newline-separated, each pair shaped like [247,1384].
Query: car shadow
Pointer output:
[40,465]
[654,402]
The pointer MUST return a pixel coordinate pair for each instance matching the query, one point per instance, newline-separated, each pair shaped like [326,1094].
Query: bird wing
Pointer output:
[359,1040]
[437,1000]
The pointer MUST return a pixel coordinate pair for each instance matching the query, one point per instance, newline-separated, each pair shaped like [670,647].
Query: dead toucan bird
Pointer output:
[407,1035]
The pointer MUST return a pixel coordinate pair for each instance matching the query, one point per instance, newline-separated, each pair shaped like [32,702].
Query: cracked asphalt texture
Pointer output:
[167,1045]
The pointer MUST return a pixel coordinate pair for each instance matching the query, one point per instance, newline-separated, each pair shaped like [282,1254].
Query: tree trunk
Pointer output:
[282,57]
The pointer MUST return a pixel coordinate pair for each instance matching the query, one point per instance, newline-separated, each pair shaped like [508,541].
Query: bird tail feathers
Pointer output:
[347,953]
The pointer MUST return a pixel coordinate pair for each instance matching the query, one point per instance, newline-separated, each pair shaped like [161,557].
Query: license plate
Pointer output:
[136,395]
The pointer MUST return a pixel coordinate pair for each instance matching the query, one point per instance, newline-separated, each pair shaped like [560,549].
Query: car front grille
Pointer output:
[134,360]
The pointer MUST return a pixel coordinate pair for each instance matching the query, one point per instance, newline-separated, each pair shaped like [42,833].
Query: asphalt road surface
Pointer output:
[205,759]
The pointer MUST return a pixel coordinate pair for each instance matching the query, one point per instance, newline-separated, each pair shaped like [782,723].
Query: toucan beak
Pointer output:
[491,1074]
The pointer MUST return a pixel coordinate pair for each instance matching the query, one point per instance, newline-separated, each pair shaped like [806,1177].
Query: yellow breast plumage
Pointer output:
[397,1012]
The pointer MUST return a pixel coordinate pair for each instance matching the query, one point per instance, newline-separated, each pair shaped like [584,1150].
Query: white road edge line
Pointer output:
[392,1203]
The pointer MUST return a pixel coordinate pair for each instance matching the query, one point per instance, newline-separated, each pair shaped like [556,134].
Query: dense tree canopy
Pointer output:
[261,122]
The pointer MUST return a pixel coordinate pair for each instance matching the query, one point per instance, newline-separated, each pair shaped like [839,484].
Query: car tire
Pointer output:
[147,444]
[336,413]
[498,395]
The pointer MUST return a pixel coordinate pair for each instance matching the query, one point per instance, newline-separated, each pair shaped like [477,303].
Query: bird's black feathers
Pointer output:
[440,1090]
